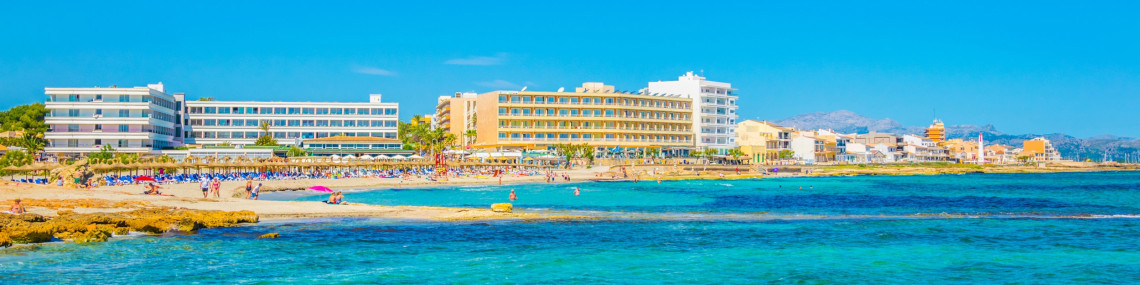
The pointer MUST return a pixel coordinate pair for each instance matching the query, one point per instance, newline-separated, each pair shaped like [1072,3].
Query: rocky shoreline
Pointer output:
[70,226]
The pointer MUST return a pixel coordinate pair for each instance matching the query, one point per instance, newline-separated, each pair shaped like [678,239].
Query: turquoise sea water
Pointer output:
[1008,228]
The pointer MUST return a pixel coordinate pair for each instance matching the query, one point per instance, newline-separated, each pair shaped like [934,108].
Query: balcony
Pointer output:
[539,128]
[579,116]
[94,148]
[596,140]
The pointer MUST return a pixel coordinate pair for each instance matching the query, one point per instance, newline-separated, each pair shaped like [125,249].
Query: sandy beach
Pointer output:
[189,196]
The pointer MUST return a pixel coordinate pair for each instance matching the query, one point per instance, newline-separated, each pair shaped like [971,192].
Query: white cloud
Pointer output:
[373,71]
[499,84]
[479,60]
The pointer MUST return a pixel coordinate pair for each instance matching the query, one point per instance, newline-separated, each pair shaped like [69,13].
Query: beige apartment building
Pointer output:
[595,114]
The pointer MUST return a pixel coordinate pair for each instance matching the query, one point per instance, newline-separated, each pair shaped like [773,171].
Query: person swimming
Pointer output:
[513,196]
[577,191]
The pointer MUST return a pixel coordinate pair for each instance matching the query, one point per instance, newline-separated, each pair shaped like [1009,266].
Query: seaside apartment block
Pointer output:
[763,140]
[133,120]
[595,114]
[1040,149]
[456,115]
[147,120]
[598,115]
[238,122]
[713,105]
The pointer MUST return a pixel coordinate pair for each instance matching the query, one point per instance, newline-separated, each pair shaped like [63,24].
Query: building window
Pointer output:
[335,111]
[211,110]
[265,111]
[322,111]
[72,143]
[349,111]
[223,110]
[335,123]
[307,111]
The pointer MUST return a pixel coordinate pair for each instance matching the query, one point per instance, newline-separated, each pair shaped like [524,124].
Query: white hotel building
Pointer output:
[136,119]
[237,122]
[148,120]
[714,108]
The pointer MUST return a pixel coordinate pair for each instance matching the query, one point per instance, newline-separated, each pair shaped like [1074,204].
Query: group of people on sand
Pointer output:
[211,186]
[336,198]
[250,190]
[551,177]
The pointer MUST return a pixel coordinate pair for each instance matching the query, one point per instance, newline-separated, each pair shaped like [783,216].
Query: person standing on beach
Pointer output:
[255,191]
[217,188]
[205,188]
[248,188]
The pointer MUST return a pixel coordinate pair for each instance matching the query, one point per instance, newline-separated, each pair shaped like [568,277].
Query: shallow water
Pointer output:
[841,240]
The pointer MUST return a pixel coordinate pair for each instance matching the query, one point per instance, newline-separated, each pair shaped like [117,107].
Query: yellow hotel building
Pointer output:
[456,115]
[594,114]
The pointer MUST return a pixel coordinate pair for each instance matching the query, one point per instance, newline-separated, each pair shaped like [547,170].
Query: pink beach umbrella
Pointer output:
[320,189]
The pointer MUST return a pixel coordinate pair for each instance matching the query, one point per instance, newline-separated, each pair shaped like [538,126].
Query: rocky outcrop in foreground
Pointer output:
[94,227]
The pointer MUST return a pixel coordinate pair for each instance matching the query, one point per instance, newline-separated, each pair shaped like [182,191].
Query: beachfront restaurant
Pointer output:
[342,146]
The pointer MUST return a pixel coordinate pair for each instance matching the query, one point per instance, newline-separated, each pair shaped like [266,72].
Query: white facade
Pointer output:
[803,148]
[714,108]
[237,122]
[134,120]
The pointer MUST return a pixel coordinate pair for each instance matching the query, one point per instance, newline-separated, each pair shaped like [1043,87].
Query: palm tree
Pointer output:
[470,134]
[267,138]
[264,127]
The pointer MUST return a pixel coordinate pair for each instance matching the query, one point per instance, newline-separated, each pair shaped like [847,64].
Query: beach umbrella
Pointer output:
[320,189]
[416,156]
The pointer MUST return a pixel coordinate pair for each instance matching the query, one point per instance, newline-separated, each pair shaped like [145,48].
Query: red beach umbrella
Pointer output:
[320,189]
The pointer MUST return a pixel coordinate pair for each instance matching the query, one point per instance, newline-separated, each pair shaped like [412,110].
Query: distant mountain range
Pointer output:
[843,121]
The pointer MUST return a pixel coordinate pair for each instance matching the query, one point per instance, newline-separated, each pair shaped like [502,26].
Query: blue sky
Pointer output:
[1025,66]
